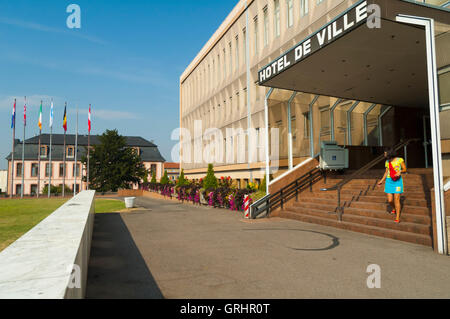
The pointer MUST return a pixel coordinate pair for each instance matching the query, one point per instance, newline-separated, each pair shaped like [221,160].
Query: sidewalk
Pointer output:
[173,250]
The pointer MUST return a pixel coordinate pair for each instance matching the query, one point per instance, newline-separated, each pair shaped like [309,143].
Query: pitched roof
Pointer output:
[172,165]
[58,139]
[149,152]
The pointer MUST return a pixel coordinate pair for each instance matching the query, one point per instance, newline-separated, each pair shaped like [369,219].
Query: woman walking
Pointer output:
[395,167]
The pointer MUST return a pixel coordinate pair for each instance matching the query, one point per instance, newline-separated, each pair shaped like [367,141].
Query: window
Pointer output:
[276,18]
[218,68]
[303,7]
[48,170]
[237,52]
[266,27]
[231,58]
[18,189]
[62,170]
[44,151]
[306,124]
[325,120]
[137,151]
[34,170]
[290,13]
[153,168]
[256,34]
[77,170]
[244,44]
[33,189]
[70,151]
[224,64]
[19,170]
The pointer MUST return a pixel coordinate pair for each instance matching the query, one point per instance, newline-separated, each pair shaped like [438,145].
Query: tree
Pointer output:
[210,181]
[113,164]
[181,180]
[165,179]
[153,180]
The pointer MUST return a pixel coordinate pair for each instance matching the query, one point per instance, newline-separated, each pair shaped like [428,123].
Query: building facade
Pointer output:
[220,90]
[149,153]
[173,170]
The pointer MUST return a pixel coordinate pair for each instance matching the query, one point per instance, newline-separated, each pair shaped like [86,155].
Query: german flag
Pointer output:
[65,118]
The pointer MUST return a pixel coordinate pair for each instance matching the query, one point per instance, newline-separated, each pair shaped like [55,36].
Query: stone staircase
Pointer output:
[366,208]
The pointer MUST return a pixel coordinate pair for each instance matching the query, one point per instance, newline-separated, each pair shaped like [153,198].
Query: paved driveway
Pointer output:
[171,250]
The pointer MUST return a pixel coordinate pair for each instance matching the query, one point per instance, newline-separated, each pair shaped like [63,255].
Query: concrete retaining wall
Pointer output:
[51,260]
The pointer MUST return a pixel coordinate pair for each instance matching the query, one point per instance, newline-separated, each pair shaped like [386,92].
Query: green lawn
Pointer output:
[18,216]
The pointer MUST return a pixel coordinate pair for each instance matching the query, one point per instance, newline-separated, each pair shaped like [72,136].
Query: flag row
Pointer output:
[13,118]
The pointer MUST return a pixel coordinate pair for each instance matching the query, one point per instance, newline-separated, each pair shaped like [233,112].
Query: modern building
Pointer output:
[173,170]
[148,151]
[366,74]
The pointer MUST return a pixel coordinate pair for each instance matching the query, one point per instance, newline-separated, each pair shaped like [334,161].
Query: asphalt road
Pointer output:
[172,250]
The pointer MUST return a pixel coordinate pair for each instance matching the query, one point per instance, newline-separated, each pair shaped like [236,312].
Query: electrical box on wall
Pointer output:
[332,156]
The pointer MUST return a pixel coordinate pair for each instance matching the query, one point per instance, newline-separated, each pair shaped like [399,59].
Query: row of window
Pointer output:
[211,74]
[48,172]
[34,188]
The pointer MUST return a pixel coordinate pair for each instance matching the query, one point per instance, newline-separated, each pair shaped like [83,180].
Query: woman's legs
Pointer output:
[390,198]
[398,206]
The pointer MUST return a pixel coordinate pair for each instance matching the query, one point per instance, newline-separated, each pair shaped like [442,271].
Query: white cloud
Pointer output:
[43,28]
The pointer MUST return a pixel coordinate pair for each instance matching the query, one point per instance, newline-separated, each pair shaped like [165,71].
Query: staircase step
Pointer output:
[365,213]
[331,207]
[367,229]
[364,198]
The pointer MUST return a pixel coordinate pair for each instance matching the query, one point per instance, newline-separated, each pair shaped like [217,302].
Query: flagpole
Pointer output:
[39,165]
[50,152]
[39,152]
[12,153]
[64,155]
[76,160]
[23,147]
[89,145]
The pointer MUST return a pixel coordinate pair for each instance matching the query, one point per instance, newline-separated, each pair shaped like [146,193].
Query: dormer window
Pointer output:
[44,151]
[137,151]
[70,152]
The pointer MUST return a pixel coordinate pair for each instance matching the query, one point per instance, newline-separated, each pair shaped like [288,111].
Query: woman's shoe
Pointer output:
[393,212]
[397,221]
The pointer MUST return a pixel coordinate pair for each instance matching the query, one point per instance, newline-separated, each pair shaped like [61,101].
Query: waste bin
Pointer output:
[129,202]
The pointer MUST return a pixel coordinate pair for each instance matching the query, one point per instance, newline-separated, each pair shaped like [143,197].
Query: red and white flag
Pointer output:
[89,119]
[25,112]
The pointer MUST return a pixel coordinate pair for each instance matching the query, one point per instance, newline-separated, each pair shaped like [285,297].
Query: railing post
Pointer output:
[310,182]
[296,190]
[281,195]
[339,204]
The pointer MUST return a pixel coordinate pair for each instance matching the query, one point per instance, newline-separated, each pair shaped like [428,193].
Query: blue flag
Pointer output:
[13,118]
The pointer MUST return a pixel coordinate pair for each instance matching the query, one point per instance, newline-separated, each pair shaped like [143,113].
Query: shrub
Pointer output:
[210,181]
[165,179]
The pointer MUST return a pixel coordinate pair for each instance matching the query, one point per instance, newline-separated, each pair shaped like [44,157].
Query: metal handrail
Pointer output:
[362,170]
[278,199]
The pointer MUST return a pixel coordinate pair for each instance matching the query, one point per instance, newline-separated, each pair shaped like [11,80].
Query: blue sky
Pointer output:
[125,60]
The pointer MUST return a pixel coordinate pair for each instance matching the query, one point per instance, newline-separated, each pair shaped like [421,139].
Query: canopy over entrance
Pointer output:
[352,58]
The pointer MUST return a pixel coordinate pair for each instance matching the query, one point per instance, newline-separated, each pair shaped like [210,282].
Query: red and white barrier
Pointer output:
[247,206]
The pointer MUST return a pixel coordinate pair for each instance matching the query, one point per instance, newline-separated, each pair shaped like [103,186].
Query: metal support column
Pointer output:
[380,125]
[433,91]
[349,122]
[266,120]
[332,117]
[366,113]
[311,126]
[289,120]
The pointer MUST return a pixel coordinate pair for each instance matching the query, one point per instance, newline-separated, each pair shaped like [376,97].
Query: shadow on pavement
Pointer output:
[116,267]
